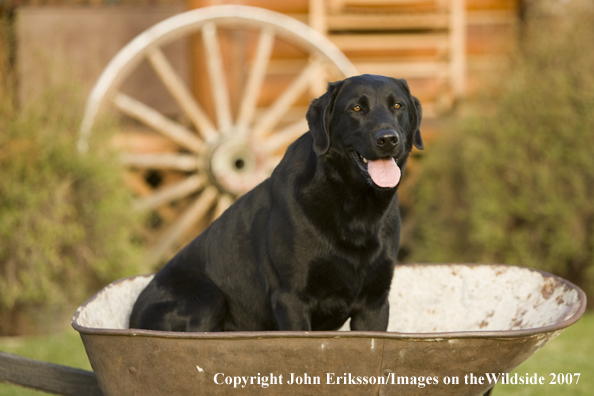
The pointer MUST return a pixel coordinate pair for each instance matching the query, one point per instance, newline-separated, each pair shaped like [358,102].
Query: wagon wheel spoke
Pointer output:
[224,202]
[152,118]
[257,73]
[180,92]
[139,186]
[171,193]
[281,140]
[180,229]
[179,162]
[319,83]
[218,82]
[272,163]
[282,104]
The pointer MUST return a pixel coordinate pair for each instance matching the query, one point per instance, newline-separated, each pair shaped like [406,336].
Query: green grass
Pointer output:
[65,348]
[571,352]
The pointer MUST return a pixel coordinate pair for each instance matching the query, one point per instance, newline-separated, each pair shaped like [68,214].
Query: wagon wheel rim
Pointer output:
[226,156]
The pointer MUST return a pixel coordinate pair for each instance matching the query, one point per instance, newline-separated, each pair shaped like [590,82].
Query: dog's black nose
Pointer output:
[386,139]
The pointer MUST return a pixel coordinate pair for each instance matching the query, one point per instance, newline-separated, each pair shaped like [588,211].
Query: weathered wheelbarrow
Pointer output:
[447,321]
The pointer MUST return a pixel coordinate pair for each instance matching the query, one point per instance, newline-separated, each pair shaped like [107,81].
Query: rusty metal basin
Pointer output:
[447,321]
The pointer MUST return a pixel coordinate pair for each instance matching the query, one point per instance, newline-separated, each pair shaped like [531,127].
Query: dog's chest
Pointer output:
[333,288]
[333,279]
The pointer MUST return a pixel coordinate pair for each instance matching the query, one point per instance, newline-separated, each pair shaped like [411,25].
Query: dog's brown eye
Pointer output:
[357,108]
[397,106]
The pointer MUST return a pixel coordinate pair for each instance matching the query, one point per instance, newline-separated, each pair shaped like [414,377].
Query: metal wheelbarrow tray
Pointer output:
[447,321]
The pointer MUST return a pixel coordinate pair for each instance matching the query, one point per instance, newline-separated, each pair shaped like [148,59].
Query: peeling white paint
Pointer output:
[112,306]
[443,298]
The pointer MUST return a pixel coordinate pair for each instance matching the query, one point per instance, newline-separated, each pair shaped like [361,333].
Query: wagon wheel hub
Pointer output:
[235,166]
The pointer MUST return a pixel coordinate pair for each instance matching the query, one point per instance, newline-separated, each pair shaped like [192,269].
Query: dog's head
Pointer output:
[372,121]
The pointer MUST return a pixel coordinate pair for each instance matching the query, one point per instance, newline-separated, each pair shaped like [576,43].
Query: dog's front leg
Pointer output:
[290,312]
[371,319]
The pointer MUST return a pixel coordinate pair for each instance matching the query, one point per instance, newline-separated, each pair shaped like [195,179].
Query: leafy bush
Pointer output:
[66,228]
[514,181]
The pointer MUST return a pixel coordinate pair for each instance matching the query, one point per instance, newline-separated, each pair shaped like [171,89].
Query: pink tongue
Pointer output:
[384,172]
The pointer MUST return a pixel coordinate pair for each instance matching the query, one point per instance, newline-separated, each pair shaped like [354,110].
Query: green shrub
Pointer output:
[66,228]
[513,182]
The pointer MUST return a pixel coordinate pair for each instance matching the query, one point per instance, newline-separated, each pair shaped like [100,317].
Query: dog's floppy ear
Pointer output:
[416,114]
[318,117]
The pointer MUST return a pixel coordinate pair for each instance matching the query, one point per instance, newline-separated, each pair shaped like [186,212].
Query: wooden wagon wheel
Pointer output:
[214,162]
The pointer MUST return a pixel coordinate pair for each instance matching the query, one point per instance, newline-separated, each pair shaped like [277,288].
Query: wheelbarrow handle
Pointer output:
[47,377]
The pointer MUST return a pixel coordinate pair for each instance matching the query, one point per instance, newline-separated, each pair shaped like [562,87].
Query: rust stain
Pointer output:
[483,324]
[547,290]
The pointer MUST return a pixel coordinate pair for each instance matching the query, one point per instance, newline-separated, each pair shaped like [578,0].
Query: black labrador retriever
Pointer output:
[313,245]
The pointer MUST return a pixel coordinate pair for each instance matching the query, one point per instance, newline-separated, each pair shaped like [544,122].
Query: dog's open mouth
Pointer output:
[384,172]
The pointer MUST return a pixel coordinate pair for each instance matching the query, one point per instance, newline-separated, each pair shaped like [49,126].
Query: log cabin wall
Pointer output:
[442,47]
[420,40]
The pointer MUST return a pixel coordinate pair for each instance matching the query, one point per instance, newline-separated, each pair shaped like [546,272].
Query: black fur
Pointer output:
[310,247]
